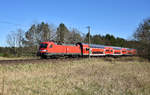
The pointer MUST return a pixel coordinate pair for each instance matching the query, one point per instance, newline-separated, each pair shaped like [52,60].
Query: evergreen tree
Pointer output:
[107,39]
[38,33]
[86,39]
[62,34]
[97,39]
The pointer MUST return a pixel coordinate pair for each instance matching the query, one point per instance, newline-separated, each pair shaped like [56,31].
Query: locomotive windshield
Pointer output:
[43,45]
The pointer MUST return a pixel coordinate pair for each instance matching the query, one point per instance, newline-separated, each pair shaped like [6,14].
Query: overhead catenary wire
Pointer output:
[11,23]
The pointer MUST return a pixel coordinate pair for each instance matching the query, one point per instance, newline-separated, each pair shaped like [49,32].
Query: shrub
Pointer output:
[6,55]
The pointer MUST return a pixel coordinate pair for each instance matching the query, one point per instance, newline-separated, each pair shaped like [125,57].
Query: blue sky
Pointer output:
[117,17]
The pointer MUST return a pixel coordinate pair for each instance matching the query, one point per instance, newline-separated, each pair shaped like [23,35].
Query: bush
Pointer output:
[1,54]
[6,55]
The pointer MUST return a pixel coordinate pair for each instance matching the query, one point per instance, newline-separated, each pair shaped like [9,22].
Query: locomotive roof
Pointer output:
[128,48]
[103,46]
[96,46]
[117,48]
[66,44]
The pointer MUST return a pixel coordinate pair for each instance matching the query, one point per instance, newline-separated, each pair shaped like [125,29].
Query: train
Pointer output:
[52,49]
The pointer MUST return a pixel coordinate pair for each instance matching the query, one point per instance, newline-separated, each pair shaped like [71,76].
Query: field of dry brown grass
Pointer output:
[16,58]
[95,76]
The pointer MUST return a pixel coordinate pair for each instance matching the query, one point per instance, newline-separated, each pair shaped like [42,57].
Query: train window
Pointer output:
[87,49]
[43,45]
[51,46]
[107,50]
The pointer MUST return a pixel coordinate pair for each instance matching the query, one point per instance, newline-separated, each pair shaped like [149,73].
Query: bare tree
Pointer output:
[15,40]
[142,35]
[20,37]
[12,40]
[74,36]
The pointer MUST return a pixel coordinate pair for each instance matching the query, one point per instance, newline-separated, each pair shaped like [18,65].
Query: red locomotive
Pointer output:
[51,49]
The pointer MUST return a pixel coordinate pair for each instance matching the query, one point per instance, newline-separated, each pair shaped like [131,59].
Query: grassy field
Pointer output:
[15,58]
[96,76]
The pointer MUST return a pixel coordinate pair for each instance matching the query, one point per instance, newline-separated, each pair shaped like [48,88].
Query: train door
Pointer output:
[108,51]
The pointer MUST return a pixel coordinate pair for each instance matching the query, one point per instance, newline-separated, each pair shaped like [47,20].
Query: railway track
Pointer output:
[35,61]
[50,60]
[17,61]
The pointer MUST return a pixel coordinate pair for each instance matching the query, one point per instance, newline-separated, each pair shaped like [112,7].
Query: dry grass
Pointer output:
[106,76]
[15,58]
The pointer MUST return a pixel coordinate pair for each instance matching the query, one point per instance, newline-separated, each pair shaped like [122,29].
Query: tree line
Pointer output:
[26,43]
[142,36]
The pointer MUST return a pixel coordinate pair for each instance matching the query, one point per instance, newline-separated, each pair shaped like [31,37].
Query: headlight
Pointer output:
[43,50]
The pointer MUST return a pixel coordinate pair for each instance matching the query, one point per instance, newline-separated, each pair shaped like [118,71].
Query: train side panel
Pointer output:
[73,50]
[97,52]
[117,51]
[62,50]
[86,50]
[108,51]
[124,51]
